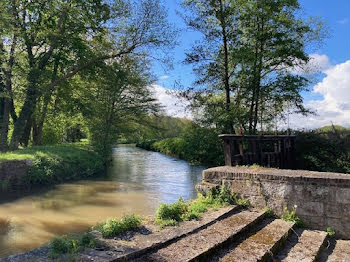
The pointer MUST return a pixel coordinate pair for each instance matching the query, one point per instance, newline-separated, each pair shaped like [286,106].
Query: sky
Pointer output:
[330,93]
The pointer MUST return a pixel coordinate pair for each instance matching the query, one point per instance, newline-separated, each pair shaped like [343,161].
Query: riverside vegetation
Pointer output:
[53,164]
[326,149]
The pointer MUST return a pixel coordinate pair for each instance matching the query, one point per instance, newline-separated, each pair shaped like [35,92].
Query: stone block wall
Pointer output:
[12,173]
[322,199]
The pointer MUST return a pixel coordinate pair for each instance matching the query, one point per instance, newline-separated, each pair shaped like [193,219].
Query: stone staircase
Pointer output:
[249,236]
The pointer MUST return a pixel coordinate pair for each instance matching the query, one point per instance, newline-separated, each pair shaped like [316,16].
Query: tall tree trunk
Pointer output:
[38,126]
[259,72]
[26,133]
[25,114]
[254,82]
[226,77]
[7,100]
[4,124]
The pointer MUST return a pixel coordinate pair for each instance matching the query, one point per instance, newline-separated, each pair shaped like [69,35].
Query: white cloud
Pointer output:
[173,105]
[317,63]
[343,21]
[334,107]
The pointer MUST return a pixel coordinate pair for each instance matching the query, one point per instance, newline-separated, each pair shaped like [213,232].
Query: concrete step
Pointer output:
[341,252]
[203,242]
[259,246]
[301,246]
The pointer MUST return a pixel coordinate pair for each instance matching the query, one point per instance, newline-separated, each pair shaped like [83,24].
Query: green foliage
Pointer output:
[243,202]
[172,214]
[330,232]
[86,70]
[155,128]
[269,212]
[243,59]
[71,244]
[326,149]
[198,145]
[171,146]
[57,163]
[63,128]
[147,144]
[114,227]
[292,217]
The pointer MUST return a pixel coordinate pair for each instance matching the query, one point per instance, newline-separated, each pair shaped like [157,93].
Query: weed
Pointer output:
[172,214]
[70,244]
[292,217]
[114,227]
[330,232]
[269,212]
[243,202]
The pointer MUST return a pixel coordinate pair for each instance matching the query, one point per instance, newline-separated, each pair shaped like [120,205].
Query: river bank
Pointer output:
[47,165]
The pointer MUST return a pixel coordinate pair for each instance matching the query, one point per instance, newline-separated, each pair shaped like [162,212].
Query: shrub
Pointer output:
[198,145]
[114,227]
[146,144]
[326,149]
[71,244]
[172,214]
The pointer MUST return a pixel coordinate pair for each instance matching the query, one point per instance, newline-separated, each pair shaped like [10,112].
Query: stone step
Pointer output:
[341,252]
[302,246]
[259,246]
[205,241]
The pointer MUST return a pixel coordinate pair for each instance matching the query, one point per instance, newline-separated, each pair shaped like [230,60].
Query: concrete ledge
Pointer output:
[322,199]
[12,173]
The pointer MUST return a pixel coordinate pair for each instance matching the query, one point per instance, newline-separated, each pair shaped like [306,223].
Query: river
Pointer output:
[136,183]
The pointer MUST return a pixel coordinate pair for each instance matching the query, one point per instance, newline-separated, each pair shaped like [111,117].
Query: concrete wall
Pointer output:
[322,199]
[12,173]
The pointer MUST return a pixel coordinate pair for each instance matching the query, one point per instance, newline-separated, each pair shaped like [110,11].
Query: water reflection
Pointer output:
[136,183]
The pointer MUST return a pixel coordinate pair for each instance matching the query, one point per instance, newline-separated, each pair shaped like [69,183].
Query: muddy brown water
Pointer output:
[136,183]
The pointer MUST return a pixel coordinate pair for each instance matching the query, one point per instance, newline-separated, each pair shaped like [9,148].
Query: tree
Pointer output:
[217,21]
[115,99]
[246,61]
[272,44]
[59,40]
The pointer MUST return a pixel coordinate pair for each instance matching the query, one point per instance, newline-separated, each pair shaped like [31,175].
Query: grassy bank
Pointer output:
[56,163]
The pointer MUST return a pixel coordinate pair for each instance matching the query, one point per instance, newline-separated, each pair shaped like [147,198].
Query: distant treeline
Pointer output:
[326,149]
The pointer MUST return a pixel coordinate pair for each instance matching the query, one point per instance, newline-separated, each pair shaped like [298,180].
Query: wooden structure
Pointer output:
[276,151]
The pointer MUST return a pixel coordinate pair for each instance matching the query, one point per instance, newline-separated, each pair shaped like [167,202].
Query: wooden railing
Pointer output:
[270,151]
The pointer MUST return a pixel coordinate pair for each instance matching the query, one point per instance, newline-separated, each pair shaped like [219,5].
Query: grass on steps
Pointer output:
[166,215]
[172,214]
[113,227]
[71,244]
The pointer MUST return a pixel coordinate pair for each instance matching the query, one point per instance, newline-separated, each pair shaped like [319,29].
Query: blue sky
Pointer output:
[330,97]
